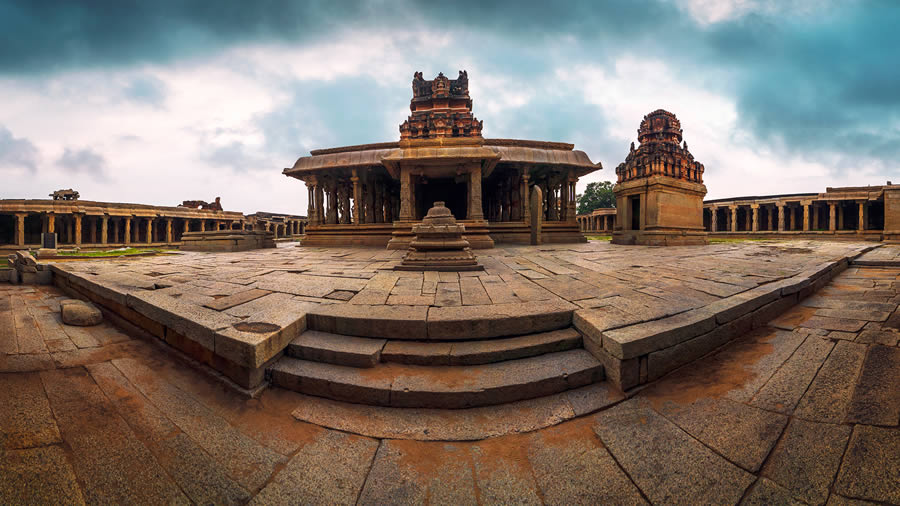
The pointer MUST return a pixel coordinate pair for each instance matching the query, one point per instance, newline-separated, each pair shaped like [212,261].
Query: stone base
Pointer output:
[477,233]
[366,234]
[439,268]
[660,237]
[227,240]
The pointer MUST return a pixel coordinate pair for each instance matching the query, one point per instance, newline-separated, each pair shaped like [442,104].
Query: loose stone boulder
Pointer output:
[80,313]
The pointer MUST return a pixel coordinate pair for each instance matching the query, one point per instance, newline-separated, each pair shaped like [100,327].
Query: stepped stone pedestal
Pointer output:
[439,245]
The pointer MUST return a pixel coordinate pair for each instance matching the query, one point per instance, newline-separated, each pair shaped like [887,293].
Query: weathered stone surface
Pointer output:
[416,472]
[392,322]
[573,451]
[417,353]
[828,323]
[236,299]
[785,388]
[876,399]
[438,424]
[330,469]
[871,468]
[643,338]
[766,492]
[111,463]
[25,418]
[854,314]
[883,337]
[473,322]
[38,476]
[668,465]
[743,434]
[337,349]
[828,396]
[80,313]
[496,350]
[666,360]
[806,459]
[502,471]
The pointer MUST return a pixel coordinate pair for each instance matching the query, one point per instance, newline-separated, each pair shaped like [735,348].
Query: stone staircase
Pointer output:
[446,374]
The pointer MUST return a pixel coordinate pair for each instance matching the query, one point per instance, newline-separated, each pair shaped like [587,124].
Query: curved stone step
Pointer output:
[338,349]
[440,387]
[478,352]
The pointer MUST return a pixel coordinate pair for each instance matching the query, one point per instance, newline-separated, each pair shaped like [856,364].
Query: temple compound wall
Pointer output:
[867,212]
[89,224]
[373,194]
[602,219]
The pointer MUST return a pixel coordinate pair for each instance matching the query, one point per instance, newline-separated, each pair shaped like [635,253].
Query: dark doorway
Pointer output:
[453,195]
[635,212]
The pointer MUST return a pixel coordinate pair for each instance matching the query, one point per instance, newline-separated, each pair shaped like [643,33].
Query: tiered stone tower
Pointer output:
[440,108]
[439,244]
[659,193]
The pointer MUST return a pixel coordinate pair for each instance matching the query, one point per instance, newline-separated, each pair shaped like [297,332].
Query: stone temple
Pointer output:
[373,194]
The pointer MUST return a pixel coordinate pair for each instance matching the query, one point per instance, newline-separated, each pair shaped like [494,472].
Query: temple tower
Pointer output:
[659,192]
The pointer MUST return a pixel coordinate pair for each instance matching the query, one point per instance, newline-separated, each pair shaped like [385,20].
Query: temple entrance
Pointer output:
[453,193]
[635,212]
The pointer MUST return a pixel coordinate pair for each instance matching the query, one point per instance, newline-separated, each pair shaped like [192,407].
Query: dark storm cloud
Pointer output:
[84,160]
[819,83]
[16,152]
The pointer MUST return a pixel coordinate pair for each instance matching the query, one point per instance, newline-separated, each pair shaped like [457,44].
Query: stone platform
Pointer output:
[641,311]
[803,410]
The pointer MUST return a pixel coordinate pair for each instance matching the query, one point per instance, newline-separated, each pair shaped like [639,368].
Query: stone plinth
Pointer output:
[227,240]
[439,244]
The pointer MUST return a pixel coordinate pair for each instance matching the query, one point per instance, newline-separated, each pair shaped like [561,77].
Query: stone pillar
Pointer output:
[790,218]
[203,225]
[115,222]
[780,217]
[552,203]
[755,209]
[524,198]
[69,234]
[840,217]
[537,214]
[861,224]
[169,230]
[51,223]
[570,199]
[149,230]
[77,229]
[475,211]
[806,216]
[128,230]
[734,218]
[20,229]
[104,231]
[713,219]
[92,222]
[832,218]
[187,226]
[357,196]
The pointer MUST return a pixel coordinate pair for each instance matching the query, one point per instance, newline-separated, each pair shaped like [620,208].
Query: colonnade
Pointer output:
[795,216]
[335,200]
[597,222]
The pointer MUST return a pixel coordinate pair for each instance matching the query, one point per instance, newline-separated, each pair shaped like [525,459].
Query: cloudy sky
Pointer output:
[158,102]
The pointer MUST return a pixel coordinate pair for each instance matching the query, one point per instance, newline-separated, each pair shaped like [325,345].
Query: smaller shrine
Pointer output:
[439,245]
[659,191]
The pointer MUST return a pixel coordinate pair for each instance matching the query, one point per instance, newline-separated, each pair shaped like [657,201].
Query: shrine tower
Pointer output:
[659,192]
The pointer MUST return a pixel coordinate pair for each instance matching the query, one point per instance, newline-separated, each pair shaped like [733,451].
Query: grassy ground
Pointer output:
[4,263]
[599,237]
[109,253]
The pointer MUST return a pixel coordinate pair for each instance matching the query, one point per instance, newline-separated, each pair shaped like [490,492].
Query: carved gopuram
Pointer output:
[659,193]
[374,194]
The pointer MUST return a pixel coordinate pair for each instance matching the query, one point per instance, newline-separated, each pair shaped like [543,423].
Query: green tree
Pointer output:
[596,195]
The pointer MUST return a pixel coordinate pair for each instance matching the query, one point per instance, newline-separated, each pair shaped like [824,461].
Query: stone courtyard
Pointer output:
[800,408]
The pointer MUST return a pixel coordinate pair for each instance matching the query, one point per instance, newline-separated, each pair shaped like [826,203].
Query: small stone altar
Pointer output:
[439,244]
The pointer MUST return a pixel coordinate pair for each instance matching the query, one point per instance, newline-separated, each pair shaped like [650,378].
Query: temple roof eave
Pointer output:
[504,152]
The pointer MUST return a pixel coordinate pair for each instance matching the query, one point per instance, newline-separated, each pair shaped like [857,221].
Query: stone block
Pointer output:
[473,322]
[391,322]
[733,307]
[643,338]
[624,374]
[666,360]
[80,313]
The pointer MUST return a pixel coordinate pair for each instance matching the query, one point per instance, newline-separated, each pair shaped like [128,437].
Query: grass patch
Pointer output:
[108,253]
[599,237]
[4,263]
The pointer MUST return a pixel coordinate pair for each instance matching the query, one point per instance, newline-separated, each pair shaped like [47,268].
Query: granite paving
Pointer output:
[791,413]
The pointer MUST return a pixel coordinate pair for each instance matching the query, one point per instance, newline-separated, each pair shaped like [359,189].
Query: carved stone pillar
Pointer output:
[357,196]
[475,209]
[515,205]
[806,216]
[311,199]
[128,230]
[733,218]
[755,209]
[20,229]
[104,229]
[714,219]
[320,203]
[370,201]
[168,230]
[390,203]
[524,197]
[77,229]
[149,230]
[379,200]
[187,226]
[571,204]
[51,223]
[861,224]
[780,217]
